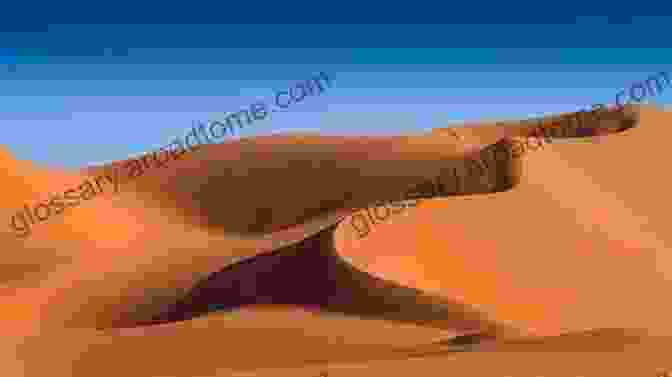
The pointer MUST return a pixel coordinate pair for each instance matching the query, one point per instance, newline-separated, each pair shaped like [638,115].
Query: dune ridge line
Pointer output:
[173,151]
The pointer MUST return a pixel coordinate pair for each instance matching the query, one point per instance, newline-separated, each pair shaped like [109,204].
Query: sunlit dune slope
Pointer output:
[294,343]
[582,243]
[242,340]
[609,352]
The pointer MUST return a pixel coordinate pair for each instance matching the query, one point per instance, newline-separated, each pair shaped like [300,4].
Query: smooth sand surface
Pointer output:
[583,242]
[609,352]
[307,345]
[579,245]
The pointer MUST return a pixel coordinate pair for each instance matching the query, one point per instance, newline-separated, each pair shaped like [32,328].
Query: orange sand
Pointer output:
[580,244]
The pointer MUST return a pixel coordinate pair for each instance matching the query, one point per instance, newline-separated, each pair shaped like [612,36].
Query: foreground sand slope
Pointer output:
[373,348]
[582,243]
[610,352]
[278,342]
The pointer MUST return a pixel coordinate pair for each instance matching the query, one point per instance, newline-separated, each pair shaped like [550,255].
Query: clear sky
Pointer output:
[73,95]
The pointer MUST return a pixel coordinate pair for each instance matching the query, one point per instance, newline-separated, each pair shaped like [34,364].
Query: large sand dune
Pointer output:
[583,242]
[579,246]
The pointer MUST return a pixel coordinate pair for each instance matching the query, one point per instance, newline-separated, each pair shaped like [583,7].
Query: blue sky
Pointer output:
[73,95]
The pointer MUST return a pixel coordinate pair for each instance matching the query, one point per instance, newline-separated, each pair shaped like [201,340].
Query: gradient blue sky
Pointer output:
[73,95]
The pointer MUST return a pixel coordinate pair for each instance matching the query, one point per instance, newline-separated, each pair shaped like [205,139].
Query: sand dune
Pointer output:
[597,353]
[290,343]
[579,245]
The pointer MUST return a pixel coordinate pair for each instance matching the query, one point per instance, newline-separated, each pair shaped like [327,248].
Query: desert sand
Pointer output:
[576,255]
[582,242]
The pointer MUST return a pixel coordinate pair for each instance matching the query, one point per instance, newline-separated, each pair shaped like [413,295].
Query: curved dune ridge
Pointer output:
[581,243]
[576,252]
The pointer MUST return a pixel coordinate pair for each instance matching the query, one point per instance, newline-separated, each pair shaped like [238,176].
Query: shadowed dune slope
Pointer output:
[311,275]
